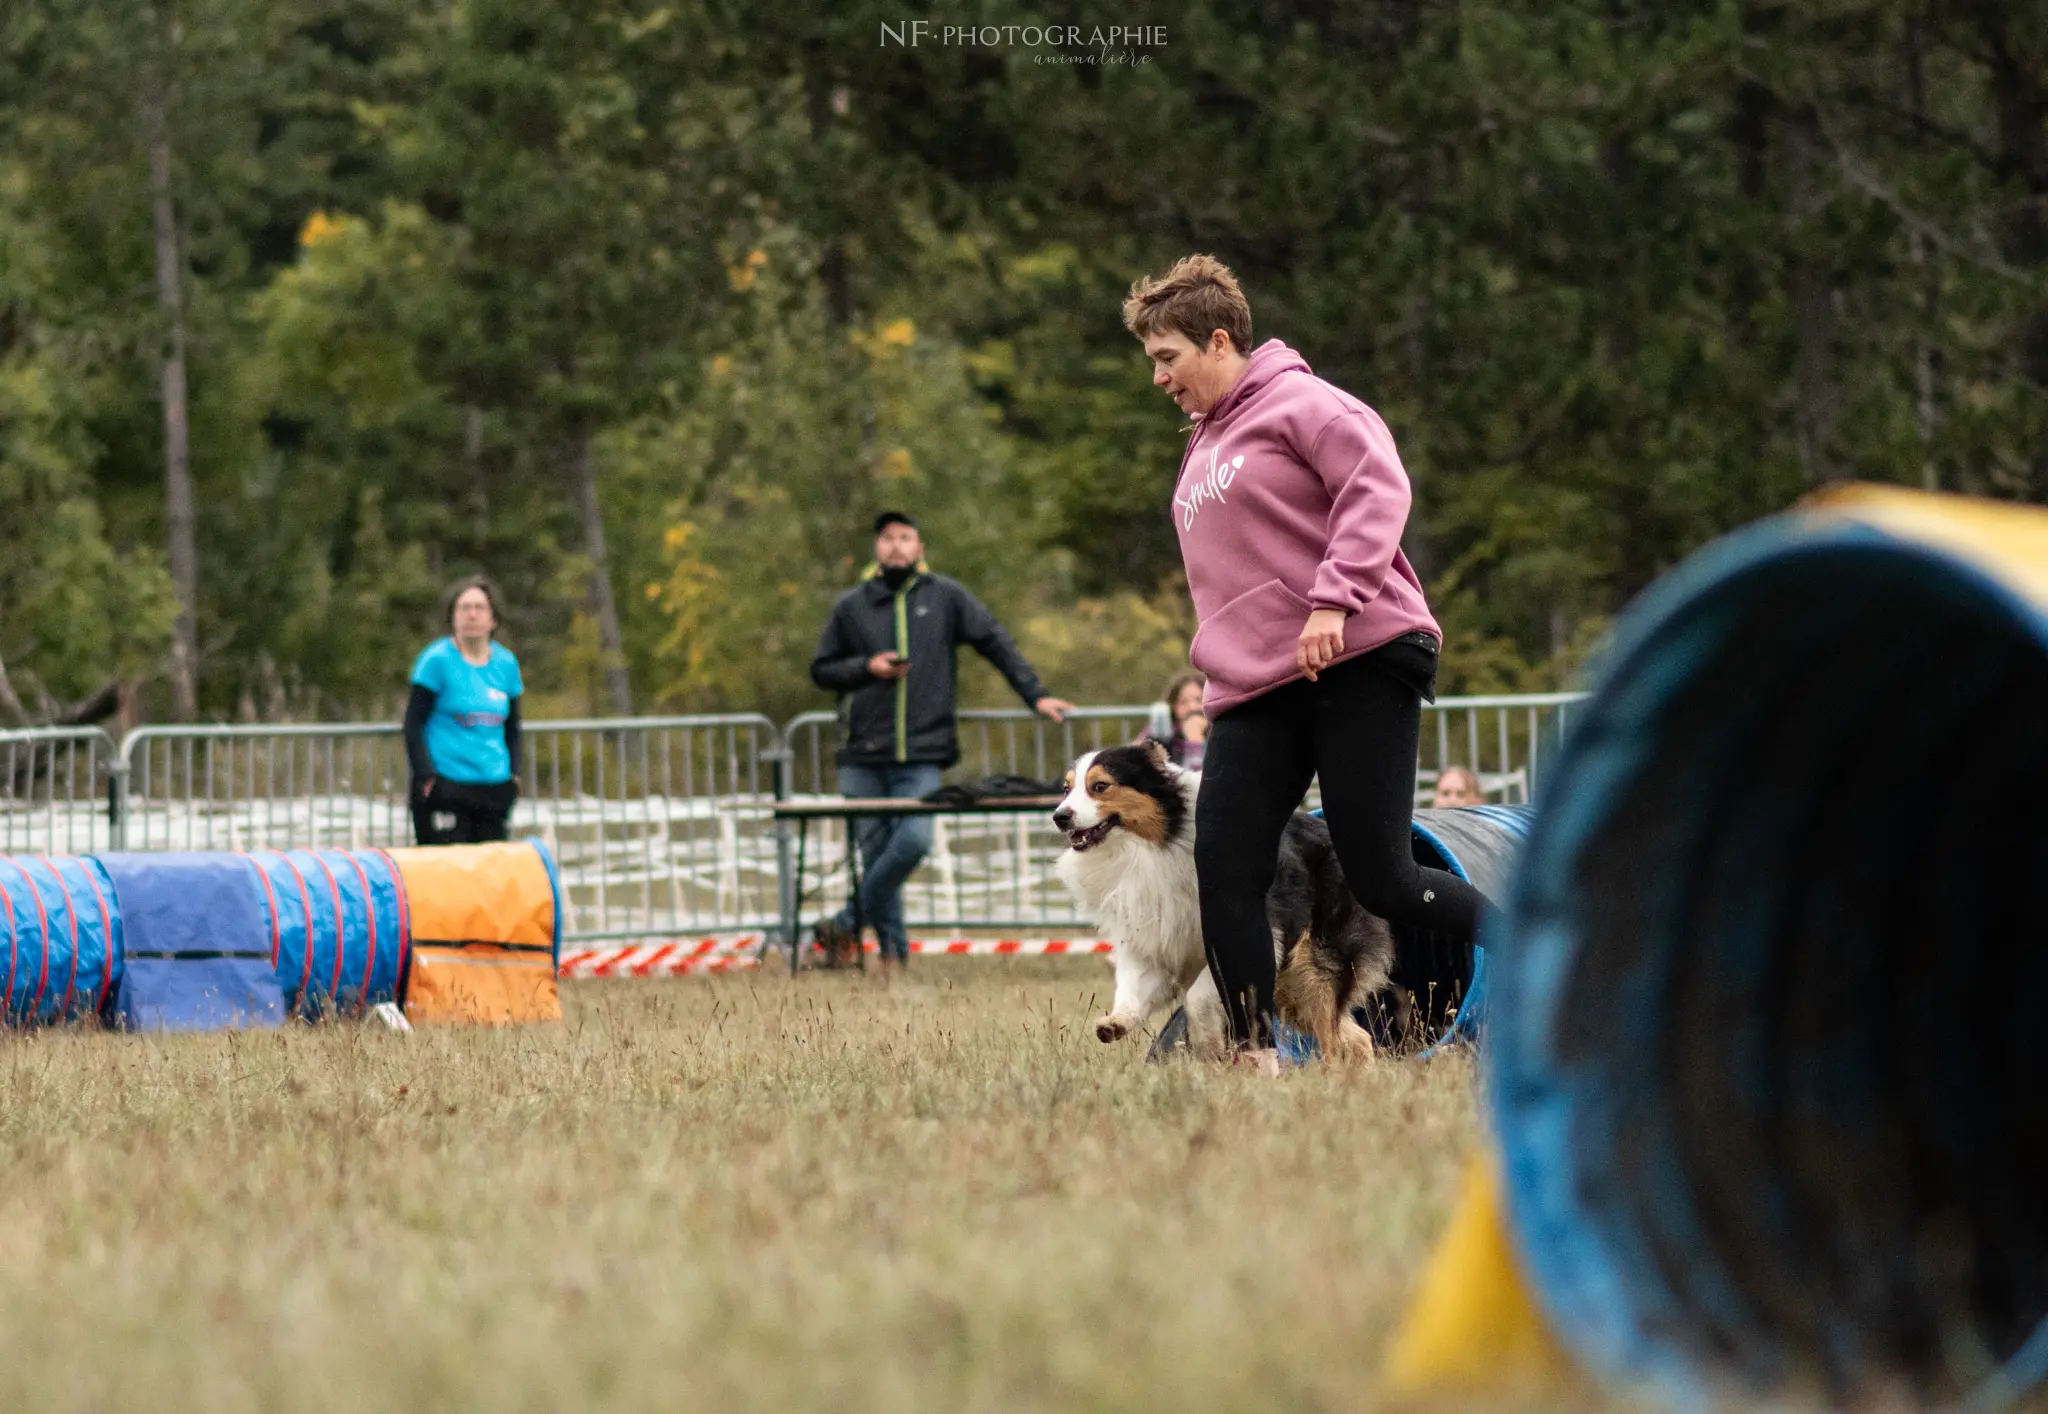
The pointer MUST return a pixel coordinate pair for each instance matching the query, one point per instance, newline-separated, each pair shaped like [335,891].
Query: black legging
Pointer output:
[1356,727]
[469,814]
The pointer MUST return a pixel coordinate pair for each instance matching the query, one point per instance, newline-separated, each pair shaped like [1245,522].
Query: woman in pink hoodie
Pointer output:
[1310,624]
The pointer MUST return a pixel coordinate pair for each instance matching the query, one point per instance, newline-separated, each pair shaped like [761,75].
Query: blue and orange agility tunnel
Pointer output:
[210,940]
[1767,1039]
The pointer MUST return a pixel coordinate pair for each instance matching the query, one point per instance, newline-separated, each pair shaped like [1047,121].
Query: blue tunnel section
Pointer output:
[196,943]
[63,949]
[1447,976]
[336,922]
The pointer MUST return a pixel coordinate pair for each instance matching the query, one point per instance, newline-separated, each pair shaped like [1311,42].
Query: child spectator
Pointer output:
[1178,722]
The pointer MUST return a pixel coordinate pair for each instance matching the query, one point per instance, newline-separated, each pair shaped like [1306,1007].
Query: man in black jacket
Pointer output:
[888,652]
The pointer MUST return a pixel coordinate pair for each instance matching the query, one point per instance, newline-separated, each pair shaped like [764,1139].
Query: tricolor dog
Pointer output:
[1129,818]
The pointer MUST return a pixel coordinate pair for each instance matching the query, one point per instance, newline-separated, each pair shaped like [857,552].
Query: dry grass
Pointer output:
[710,1194]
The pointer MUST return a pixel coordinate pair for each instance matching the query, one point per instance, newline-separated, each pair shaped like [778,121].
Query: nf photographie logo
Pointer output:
[1052,44]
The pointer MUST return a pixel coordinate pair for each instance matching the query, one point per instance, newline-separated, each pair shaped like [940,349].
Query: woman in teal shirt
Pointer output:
[462,725]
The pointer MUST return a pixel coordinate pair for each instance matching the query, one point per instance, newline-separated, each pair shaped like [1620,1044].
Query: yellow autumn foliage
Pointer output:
[321,227]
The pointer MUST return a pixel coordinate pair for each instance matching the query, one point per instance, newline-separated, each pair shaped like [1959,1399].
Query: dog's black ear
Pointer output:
[1156,754]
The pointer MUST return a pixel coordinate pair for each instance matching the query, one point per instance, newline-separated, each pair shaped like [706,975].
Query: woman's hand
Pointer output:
[426,787]
[1322,639]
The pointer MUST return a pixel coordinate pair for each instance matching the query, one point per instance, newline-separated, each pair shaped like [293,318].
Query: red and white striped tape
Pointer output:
[670,959]
[733,951]
[1009,947]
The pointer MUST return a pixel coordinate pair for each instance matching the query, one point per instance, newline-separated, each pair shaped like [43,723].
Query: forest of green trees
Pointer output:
[645,306]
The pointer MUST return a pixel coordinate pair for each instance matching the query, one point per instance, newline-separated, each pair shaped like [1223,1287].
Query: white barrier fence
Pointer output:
[662,825]
[58,791]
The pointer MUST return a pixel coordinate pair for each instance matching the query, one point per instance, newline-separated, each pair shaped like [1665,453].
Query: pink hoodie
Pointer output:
[1291,498]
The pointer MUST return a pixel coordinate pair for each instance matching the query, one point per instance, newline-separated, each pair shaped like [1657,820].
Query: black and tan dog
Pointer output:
[1129,818]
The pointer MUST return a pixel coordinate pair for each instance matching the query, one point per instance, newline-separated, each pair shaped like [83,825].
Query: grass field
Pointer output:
[713,1193]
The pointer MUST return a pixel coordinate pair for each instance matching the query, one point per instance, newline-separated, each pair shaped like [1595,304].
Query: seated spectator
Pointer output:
[1178,722]
[1458,785]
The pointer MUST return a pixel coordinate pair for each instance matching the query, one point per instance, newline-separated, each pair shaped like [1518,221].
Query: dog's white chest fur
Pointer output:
[1143,896]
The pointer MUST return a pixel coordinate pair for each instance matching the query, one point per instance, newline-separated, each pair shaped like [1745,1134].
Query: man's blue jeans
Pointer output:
[889,849]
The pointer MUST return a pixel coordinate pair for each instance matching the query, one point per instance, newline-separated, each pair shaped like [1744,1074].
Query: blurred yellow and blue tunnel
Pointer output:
[1766,1047]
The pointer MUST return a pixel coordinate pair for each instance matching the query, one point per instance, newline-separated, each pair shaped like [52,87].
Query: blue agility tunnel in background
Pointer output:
[196,940]
[1768,1024]
[1479,844]
[336,922]
[201,941]
[63,943]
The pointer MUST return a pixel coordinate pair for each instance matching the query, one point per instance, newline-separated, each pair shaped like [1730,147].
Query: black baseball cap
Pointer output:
[889,518]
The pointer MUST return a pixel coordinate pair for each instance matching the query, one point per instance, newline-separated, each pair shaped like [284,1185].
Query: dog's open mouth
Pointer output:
[1089,838]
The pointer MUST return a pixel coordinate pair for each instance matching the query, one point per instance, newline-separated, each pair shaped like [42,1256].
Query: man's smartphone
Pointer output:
[898,659]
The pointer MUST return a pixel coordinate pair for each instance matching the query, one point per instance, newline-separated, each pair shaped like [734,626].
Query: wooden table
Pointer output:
[802,812]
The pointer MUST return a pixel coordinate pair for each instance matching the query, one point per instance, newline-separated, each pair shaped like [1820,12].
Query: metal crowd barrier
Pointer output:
[57,791]
[1001,741]
[661,824]
[986,873]
[1503,740]
[314,786]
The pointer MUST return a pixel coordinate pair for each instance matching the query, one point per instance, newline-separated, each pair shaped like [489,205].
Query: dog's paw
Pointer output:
[1352,1044]
[1111,1028]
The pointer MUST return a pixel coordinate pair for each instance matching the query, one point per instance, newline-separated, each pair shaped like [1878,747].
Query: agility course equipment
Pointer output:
[216,940]
[212,940]
[1478,843]
[224,940]
[1766,1044]
[339,935]
[196,943]
[64,955]
[487,927]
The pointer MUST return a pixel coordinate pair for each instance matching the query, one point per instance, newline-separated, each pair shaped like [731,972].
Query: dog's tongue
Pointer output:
[1088,838]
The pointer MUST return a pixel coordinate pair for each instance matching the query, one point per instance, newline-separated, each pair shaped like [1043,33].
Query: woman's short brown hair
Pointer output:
[462,587]
[1198,295]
